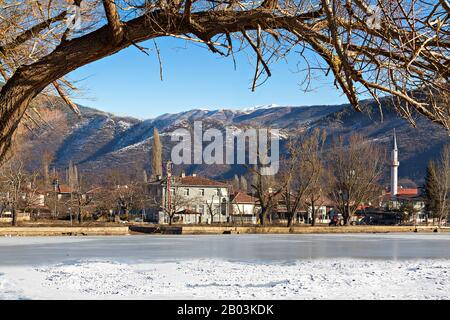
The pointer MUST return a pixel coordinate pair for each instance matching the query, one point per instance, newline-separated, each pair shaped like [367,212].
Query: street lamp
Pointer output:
[56,187]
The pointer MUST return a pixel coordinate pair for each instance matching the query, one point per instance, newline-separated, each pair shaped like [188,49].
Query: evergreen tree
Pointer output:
[144,175]
[47,158]
[432,190]
[236,182]
[72,176]
[243,184]
[156,154]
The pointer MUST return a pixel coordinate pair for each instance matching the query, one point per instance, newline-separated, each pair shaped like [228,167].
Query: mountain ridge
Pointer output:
[99,141]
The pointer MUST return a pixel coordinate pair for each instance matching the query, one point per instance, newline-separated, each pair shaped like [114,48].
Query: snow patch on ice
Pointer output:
[218,279]
[9,290]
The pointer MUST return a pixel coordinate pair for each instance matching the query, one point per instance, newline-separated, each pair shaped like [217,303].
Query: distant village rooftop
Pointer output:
[194,181]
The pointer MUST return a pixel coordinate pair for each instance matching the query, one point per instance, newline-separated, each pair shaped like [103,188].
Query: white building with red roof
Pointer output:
[191,199]
[243,208]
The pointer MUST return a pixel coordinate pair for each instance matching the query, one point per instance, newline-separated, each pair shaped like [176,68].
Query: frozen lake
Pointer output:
[353,266]
[246,248]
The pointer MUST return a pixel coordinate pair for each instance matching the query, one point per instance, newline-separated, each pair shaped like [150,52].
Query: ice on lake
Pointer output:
[371,266]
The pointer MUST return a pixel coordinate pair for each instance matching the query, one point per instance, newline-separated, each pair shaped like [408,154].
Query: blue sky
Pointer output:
[128,83]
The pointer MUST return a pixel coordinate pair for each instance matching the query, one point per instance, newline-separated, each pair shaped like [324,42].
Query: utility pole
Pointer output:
[55,185]
[169,175]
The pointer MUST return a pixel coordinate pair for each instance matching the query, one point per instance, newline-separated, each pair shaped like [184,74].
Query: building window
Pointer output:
[186,192]
[217,192]
[223,207]
[201,192]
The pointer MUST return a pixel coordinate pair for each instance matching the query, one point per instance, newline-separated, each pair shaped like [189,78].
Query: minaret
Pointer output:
[394,169]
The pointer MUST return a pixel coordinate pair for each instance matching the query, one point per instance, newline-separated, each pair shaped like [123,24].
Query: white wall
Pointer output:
[243,208]
[198,203]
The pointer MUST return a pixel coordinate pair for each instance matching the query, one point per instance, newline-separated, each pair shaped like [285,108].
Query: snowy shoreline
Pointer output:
[341,278]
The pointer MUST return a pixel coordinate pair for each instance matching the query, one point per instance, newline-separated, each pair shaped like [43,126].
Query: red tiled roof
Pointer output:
[242,197]
[408,191]
[188,211]
[95,190]
[322,201]
[200,181]
[62,188]
[405,192]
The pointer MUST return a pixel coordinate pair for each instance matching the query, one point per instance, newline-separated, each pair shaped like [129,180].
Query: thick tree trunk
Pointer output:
[289,219]
[346,216]
[262,216]
[313,214]
[14,217]
[15,97]
[30,80]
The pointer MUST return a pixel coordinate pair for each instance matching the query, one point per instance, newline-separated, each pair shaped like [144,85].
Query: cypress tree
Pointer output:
[243,184]
[431,189]
[156,154]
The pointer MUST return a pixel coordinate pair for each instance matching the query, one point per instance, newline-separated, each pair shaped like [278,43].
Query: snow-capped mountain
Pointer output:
[98,141]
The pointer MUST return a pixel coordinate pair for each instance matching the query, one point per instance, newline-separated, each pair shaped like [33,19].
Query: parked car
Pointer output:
[385,219]
[336,219]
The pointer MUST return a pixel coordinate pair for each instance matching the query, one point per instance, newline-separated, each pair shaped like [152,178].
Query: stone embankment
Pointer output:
[63,231]
[281,230]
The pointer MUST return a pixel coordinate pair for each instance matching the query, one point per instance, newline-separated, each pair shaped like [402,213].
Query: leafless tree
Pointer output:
[81,200]
[127,197]
[356,169]
[178,202]
[142,200]
[314,168]
[213,208]
[267,190]
[104,202]
[303,172]
[370,47]
[118,193]
[18,188]
[437,186]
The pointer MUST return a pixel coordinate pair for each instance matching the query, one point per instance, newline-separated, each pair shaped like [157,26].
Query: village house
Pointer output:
[411,199]
[244,209]
[61,191]
[324,209]
[190,199]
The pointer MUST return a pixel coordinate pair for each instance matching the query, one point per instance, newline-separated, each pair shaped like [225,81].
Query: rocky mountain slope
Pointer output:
[98,141]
